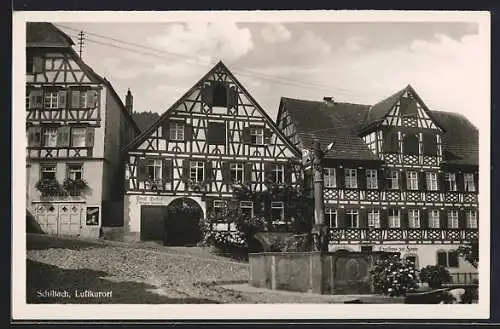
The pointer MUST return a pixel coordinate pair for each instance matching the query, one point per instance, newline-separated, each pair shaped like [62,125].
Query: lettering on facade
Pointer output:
[396,249]
[150,199]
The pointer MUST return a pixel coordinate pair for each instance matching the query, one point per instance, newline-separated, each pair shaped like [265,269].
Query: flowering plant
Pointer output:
[196,185]
[74,185]
[49,187]
[394,276]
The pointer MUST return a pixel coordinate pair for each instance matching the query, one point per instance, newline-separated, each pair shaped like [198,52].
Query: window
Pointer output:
[196,172]
[154,169]
[50,137]
[237,170]
[277,212]
[373,219]
[430,144]
[471,216]
[351,179]
[83,99]
[394,180]
[219,206]
[371,179]
[279,174]
[48,171]
[78,137]
[431,181]
[220,95]
[257,136]
[447,259]
[412,180]
[410,145]
[469,184]
[331,216]
[414,218]
[329,177]
[75,171]
[246,208]
[453,219]
[394,220]
[352,218]
[51,100]
[216,133]
[451,181]
[176,131]
[433,218]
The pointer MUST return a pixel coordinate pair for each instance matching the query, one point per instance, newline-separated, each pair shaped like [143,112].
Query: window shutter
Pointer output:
[424,218]
[188,132]
[38,64]
[267,136]
[91,98]
[89,137]
[404,218]
[61,95]
[185,170]
[363,218]
[36,98]
[460,181]
[37,136]
[63,134]
[476,181]
[383,218]
[361,173]
[402,180]
[167,170]
[387,181]
[233,97]
[75,99]
[226,173]
[340,178]
[209,173]
[248,172]
[208,94]
[441,182]
[443,219]
[461,219]
[141,169]
[381,177]
[288,173]
[268,167]
[421,181]
[341,218]
[165,129]
[246,138]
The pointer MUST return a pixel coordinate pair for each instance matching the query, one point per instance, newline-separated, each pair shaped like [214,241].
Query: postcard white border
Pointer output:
[21,310]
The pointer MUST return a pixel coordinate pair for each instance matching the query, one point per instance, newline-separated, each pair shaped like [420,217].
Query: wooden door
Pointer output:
[70,219]
[152,223]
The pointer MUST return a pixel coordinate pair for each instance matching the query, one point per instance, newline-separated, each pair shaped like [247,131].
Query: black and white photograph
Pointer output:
[252,165]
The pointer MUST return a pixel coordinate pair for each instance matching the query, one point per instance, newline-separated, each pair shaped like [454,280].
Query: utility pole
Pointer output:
[81,35]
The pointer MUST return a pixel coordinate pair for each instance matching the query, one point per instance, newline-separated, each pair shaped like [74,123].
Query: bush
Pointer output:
[435,276]
[48,187]
[233,244]
[394,276]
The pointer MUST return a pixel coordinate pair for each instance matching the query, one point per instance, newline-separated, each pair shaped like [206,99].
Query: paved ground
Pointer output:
[61,270]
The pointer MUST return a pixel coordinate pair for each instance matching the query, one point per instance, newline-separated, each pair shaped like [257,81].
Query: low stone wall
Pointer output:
[314,272]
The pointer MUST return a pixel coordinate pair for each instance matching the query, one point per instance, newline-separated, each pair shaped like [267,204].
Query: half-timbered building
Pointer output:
[76,125]
[213,137]
[400,177]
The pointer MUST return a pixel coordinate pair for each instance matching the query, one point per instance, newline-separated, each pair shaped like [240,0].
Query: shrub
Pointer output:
[48,187]
[435,276]
[394,276]
[233,244]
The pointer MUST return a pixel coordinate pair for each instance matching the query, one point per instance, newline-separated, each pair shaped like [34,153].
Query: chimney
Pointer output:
[129,102]
[330,101]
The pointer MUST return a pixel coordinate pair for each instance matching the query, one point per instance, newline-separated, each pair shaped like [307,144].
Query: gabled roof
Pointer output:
[40,34]
[144,134]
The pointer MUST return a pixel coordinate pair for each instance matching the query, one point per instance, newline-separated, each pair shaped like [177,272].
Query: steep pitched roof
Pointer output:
[145,133]
[339,122]
[378,111]
[41,34]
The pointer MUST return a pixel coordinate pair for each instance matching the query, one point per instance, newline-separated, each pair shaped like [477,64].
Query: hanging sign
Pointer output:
[92,216]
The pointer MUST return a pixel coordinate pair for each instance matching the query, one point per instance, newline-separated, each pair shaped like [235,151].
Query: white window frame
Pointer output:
[257,135]
[197,169]
[329,177]
[218,205]
[279,173]
[157,166]
[237,171]
[331,214]
[451,179]
[452,218]
[394,180]
[51,100]
[78,137]
[434,219]
[414,218]
[48,168]
[74,169]
[281,207]
[247,205]
[469,184]
[412,180]
[371,179]
[351,181]
[354,213]
[374,218]
[394,221]
[50,137]
[176,131]
[471,216]
[431,181]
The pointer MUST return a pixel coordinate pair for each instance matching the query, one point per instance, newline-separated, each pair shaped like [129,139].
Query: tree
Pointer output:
[470,252]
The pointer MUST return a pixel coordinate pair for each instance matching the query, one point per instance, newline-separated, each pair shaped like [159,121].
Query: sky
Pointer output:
[358,62]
